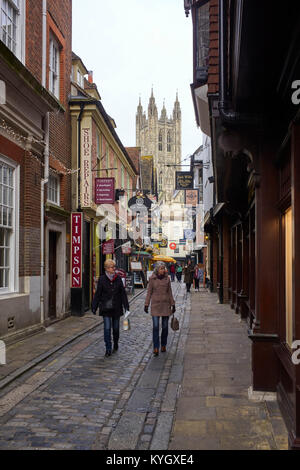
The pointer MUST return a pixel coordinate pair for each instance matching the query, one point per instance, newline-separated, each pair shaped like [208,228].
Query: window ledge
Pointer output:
[50,207]
[12,295]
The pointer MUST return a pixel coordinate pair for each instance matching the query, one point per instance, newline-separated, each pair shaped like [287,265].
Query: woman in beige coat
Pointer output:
[160,295]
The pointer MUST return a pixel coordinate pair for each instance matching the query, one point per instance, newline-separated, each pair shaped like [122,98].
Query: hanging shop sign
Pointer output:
[191,197]
[126,248]
[173,246]
[86,166]
[189,234]
[104,191]
[138,202]
[184,180]
[76,250]
[108,248]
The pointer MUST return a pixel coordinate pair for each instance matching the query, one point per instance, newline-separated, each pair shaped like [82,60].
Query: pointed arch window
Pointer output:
[169,140]
[160,141]
[160,182]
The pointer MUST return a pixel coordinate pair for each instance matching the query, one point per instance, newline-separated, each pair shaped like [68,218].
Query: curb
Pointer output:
[22,370]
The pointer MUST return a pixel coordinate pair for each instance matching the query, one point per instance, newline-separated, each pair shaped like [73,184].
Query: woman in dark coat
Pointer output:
[188,275]
[111,297]
[160,295]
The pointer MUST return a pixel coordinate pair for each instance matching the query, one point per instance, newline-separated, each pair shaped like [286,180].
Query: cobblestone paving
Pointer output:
[78,399]
[193,397]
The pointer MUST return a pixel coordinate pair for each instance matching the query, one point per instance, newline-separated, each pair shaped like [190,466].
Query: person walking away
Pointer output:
[188,275]
[196,278]
[111,297]
[179,272]
[159,294]
[172,272]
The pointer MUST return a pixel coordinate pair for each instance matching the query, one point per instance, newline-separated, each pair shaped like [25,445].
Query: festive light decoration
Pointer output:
[20,138]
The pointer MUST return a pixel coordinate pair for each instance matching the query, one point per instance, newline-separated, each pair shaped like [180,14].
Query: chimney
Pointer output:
[91,77]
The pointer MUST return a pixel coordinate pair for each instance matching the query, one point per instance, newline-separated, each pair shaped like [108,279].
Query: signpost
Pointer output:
[104,191]
[76,250]
[129,283]
[108,248]
[184,180]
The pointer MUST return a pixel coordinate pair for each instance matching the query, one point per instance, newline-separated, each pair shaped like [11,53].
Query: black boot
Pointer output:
[116,347]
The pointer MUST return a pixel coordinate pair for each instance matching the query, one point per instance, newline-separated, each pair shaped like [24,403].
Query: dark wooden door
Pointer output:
[52,274]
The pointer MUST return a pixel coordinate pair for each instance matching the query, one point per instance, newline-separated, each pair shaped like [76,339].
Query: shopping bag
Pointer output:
[174,323]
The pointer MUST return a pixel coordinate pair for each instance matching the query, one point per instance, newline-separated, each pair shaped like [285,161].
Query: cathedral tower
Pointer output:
[161,138]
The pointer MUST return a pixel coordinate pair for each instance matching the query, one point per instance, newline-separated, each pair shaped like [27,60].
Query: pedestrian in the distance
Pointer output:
[111,297]
[198,276]
[159,294]
[188,275]
[172,272]
[179,272]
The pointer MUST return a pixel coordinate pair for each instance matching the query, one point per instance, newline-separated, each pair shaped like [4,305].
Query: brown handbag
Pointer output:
[174,323]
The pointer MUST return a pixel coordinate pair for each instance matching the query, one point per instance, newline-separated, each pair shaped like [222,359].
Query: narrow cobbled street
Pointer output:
[193,397]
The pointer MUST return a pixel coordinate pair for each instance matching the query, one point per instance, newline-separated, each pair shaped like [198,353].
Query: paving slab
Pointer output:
[213,410]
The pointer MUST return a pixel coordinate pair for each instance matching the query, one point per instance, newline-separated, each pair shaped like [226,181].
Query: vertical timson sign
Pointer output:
[76,250]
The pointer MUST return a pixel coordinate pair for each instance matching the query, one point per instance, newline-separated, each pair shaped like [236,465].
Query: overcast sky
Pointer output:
[131,45]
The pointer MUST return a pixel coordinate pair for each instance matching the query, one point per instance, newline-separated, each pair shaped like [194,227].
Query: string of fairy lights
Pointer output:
[21,138]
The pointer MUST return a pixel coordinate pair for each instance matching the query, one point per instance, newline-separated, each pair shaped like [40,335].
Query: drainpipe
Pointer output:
[43,184]
[44,44]
[228,115]
[46,163]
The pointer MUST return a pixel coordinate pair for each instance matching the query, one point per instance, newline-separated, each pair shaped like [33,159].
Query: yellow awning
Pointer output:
[166,259]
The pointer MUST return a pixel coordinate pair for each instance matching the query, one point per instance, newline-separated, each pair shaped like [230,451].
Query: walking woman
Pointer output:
[111,297]
[188,275]
[160,295]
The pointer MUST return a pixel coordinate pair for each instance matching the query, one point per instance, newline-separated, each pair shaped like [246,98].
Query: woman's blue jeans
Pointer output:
[164,331]
[114,324]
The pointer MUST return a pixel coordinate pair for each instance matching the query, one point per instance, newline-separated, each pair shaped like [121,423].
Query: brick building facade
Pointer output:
[249,73]
[35,66]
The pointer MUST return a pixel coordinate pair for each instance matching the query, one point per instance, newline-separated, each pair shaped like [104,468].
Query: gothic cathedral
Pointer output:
[161,138]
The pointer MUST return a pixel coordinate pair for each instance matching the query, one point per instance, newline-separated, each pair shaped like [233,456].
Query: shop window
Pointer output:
[288,275]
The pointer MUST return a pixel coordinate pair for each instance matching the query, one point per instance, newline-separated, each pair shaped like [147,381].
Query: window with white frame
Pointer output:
[12,23]
[54,189]
[7,227]
[54,67]
[80,79]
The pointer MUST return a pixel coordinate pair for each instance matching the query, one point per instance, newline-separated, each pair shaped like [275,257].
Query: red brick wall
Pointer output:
[34,33]
[60,23]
